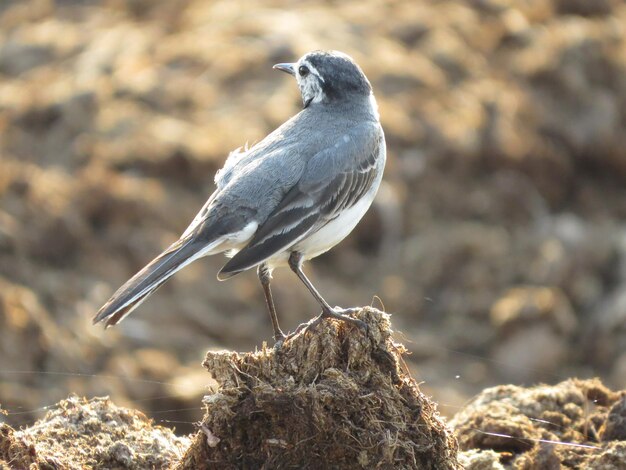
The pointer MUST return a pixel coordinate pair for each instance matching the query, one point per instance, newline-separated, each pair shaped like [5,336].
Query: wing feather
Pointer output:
[334,180]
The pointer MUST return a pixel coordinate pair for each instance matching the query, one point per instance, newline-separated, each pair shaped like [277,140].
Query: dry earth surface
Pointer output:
[335,397]
[497,240]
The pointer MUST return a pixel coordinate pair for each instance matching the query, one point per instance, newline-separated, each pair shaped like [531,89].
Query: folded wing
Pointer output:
[334,180]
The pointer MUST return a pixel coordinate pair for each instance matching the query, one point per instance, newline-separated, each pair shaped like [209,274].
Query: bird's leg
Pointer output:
[295,263]
[265,276]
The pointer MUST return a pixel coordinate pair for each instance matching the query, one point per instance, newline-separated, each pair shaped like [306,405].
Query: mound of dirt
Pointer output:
[95,433]
[498,231]
[333,397]
[575,424]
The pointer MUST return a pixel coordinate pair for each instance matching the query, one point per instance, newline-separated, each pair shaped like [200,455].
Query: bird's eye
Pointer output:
[303,70]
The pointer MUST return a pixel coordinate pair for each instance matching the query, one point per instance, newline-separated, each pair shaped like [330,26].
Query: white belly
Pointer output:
[330,234]
[335,231]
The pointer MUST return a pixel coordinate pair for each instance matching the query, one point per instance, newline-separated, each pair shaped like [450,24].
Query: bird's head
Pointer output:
[328,77]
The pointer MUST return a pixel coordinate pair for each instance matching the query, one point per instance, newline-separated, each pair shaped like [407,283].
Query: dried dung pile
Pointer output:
[334,396]
[575,424]
[95,433]
[331,397]
[499,230]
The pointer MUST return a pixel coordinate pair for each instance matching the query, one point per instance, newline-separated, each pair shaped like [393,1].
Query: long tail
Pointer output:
[149,279]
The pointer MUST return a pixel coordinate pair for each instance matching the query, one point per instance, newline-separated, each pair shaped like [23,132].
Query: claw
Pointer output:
[278,345]
[347,311]
[305,326]
[337,313]
[343,315]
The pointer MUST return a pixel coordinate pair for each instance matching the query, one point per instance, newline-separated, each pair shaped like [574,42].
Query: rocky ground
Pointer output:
[497,240]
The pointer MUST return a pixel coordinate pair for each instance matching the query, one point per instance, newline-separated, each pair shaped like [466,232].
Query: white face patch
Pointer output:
[310,86]
[312,70]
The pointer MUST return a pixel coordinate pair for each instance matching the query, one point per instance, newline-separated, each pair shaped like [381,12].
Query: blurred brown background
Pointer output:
[497,242]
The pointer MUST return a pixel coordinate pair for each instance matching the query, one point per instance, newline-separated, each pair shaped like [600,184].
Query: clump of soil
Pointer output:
[332,397]
[94,433]
[499,229]
[575,424]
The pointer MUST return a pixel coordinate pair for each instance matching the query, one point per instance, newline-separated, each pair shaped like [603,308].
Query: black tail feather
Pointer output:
[149,279]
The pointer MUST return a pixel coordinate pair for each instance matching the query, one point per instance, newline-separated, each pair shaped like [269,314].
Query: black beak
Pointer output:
[289,68]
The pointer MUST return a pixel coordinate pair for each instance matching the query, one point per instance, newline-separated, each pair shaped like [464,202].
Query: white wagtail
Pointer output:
[289,198]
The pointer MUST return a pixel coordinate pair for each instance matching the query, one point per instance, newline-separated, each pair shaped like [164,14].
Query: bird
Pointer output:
[288,198]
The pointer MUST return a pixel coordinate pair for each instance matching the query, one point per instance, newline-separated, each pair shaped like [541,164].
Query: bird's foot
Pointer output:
[279,338]
[343,314]
[347,311]
[310,325]
[337,313]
